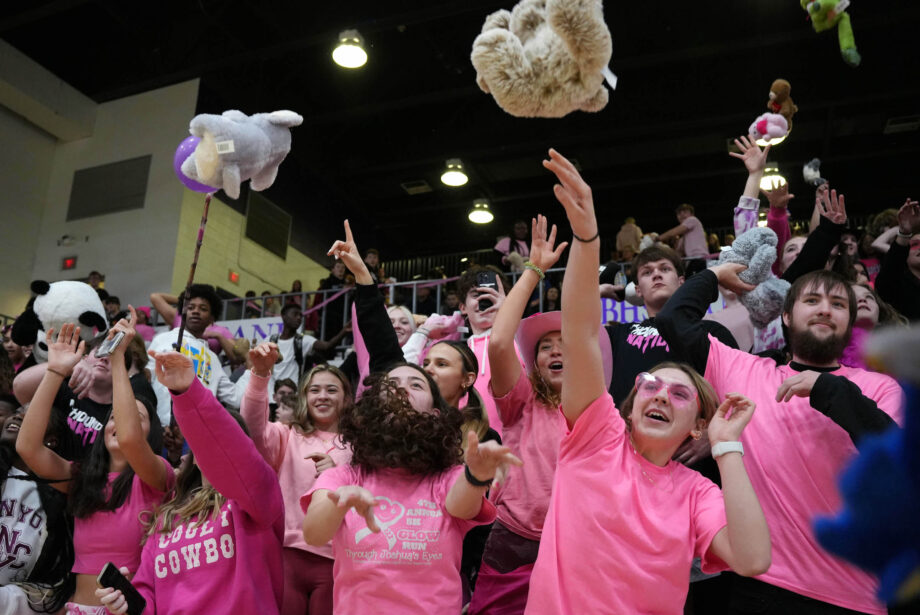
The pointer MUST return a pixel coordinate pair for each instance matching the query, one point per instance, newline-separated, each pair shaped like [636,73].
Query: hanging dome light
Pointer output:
[765,142]
[771,176]
[453,174]
[480,212]
[349,53]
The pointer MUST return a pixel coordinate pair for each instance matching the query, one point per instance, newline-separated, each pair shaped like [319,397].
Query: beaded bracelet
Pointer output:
[535,269]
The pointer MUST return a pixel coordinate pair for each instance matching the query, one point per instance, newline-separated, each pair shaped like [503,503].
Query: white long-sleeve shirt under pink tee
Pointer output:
[287,451]
[412,566]
[621,532]
[231,563]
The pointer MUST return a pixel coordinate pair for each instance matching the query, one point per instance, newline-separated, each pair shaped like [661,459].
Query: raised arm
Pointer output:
[744,543]
[883,242]
[165,305]
[63,353]
[373,321]
[254,406]
[485,462]
[505,366]
[832,216]
[225,454]
[755,161]
[125,409]
[583,375]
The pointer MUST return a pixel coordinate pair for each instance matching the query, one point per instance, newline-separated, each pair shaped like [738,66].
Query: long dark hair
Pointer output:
[50,584]
[385,431]
[91,476]
[474,413]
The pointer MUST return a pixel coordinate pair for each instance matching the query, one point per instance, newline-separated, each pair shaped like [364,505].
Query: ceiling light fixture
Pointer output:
[454,174]
[480,213]
[771,176]
[349,53]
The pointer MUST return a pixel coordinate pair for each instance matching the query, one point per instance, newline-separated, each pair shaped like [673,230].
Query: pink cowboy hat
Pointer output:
[534,327]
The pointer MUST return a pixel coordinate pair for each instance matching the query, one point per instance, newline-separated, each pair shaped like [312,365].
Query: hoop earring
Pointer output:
[696,435]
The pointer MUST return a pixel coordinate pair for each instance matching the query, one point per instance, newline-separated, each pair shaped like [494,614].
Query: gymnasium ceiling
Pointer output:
[691,76]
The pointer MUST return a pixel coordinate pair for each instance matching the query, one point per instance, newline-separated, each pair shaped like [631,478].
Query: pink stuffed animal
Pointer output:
[769,126]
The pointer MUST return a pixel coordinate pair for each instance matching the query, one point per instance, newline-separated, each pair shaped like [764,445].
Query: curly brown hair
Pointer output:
[385,431]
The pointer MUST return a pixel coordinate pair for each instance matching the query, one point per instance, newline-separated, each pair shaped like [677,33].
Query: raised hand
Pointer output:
[778,195]
[323,462]
[542,253]
[832,207]
[799,385]
[909,218]
[263,358]
[359,498]
[174,371]
[727,426]
[727,274]
[488,460]
[439,326]
[347,251]
[754,159]
[125,326]
[574,195]
[66,351]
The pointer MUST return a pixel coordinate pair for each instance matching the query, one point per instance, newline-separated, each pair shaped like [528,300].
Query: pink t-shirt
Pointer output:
[692,244]
[621,532]
[286,450]
[116,536]
[793,455]
[413,564]
[533,431]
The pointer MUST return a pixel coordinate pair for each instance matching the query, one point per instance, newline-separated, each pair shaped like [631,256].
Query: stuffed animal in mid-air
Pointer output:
[54,305]
[811,173]
[235,147]
[756,249]
[769,126]
[545,58]
[780,101]
[827,14]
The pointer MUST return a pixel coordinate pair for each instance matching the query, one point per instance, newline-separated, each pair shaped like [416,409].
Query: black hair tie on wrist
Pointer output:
[596,235]
[475,481]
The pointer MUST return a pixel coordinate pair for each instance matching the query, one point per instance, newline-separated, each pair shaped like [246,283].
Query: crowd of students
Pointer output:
[544,464]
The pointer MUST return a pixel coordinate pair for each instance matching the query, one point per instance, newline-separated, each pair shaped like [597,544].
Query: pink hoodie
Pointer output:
[234,559]
[286,450]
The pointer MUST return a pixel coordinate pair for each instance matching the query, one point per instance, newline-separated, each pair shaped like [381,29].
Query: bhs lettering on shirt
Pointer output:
[208,549]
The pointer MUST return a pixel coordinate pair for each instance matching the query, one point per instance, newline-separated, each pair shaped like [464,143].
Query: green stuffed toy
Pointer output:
[827,14]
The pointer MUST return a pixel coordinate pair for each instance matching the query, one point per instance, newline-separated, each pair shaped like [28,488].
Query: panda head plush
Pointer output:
[54,305]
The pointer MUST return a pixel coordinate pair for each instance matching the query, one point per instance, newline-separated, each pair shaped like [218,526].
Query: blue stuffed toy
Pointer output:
[879,526]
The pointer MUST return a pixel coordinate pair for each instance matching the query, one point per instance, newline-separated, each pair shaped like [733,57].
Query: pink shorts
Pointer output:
[81,609]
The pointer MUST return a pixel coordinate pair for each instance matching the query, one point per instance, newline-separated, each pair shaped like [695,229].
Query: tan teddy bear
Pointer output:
[780,102]
[545,58]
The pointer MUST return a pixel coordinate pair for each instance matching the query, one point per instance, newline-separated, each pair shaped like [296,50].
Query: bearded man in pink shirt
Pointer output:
[811,415]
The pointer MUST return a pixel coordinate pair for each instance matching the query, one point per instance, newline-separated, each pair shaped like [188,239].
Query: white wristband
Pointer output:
[727,447]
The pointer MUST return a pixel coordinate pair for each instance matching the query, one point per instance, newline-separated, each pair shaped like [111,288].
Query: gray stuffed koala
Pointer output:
[235,147]
[756,248]
[546,58]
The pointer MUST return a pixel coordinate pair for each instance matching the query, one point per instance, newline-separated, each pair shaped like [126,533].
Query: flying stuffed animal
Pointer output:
[780,102]
[54,305]
[235,147]
[811,173]
[756,249]
[545,58]
[769,126]
[827,14]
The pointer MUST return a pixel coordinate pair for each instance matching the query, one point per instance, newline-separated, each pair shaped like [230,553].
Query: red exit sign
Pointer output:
[68,262]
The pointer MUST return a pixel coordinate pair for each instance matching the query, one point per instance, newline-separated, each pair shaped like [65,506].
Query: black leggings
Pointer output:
[753,597]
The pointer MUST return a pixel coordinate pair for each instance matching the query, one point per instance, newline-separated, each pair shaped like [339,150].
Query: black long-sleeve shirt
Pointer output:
[897,285]
[833,395]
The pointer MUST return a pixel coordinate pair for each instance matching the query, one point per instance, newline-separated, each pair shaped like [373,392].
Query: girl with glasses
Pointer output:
[625,521]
